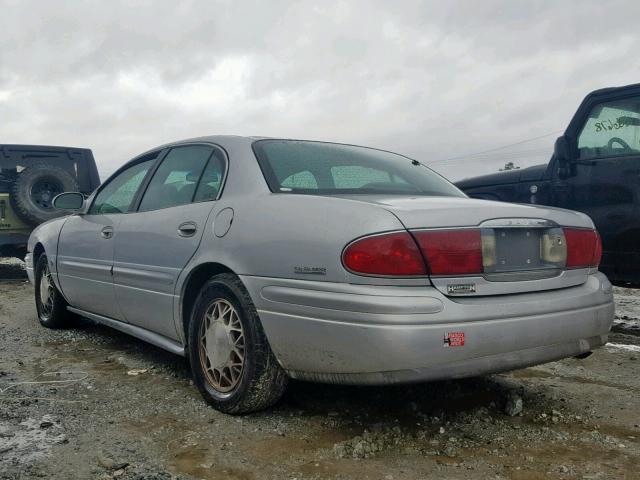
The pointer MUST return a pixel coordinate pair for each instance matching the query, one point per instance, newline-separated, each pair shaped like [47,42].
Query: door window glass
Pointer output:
[211,181]
[612,129]
[117,196]
[175,181]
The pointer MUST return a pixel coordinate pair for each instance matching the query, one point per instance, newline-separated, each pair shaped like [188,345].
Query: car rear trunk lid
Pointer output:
[523,247]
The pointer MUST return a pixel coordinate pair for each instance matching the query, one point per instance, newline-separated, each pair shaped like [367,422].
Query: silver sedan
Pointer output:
[267,259]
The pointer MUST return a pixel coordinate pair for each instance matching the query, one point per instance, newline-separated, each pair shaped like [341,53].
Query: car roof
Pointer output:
[234,142]
[222,140]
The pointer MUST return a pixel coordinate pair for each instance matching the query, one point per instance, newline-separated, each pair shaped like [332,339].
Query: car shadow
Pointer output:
[398,402]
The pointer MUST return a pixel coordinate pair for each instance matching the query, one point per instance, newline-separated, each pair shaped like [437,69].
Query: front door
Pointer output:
[606,184]
[86,245]
[85,258]
[157,241]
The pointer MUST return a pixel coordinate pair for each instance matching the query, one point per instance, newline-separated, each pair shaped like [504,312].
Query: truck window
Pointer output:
[612,129]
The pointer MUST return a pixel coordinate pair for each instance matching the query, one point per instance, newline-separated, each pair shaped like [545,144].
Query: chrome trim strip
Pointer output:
[84,279]
[523,275]
[145,335]
[518,223]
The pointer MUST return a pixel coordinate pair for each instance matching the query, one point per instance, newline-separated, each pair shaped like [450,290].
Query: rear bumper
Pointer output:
[359,334]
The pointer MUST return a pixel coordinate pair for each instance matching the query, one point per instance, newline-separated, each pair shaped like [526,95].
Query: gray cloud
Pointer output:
[433,80]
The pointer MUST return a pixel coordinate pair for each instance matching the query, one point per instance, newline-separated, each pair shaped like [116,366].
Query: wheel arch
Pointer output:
[38,250]
[196,278]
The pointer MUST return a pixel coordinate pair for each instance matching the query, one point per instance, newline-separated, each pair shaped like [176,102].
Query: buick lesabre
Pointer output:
[266,259]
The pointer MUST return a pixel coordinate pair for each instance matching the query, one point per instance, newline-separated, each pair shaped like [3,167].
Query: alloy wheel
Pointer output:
[46,292]
[222,346]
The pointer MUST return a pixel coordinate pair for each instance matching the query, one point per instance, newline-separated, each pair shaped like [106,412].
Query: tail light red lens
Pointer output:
[386,254]
[597,256]
[584,248]
[451,252]
[460,252]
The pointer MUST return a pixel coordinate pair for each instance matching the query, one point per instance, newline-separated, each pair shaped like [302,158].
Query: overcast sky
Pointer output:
[432,80]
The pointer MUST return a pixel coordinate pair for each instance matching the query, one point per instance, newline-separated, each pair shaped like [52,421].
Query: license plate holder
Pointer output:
[516,249]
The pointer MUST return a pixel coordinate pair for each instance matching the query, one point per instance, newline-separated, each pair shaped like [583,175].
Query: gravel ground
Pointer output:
[90,402]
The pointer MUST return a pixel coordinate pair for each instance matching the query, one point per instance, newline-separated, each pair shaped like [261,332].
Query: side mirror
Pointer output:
[69,201]
[562,152]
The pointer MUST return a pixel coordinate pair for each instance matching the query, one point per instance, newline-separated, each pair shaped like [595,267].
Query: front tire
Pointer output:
[231,360]
[50,304]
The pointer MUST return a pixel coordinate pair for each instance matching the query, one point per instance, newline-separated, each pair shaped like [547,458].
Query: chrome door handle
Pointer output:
[187,229]
[106,232]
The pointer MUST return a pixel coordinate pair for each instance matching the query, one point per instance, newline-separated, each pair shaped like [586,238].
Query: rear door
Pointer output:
[606,184]
[155,243]
[86,245]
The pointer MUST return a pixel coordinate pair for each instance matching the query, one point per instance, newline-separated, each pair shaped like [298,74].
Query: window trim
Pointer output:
[132,163]
[145,184]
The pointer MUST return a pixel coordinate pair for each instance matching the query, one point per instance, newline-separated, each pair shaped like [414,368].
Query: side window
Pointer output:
[300,180]
[177,177]
[118,194]
[355,176]
[612,129]
[211,181]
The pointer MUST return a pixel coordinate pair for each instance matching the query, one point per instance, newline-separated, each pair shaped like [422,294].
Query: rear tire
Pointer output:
[231,360]
[50,305]
[35,187]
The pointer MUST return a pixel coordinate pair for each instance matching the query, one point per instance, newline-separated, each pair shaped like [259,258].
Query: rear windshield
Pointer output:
[294,166]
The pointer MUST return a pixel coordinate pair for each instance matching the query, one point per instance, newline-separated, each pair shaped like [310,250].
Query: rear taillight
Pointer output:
[597,256]
[387,254]
[470,251]
[584,248]
[452,252]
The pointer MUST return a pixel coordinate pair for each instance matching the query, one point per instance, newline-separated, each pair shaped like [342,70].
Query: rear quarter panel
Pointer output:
[280,235]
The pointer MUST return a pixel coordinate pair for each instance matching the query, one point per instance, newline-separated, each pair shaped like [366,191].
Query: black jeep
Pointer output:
[595,169]
[30,176]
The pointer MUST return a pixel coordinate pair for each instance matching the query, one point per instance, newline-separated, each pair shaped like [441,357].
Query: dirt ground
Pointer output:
[91,403]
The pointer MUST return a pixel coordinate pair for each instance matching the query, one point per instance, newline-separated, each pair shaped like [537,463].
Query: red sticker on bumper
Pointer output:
[454,339]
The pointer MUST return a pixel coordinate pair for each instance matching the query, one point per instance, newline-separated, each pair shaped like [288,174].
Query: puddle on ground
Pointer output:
[531,373]
[198,449]
[593,381]
[30,440]
[199,463]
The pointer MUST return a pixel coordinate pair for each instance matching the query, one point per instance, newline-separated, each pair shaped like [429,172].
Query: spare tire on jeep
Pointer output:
[35,187]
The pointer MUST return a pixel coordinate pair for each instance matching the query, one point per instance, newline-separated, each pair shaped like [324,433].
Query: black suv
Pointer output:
[30,176]
[595,169]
